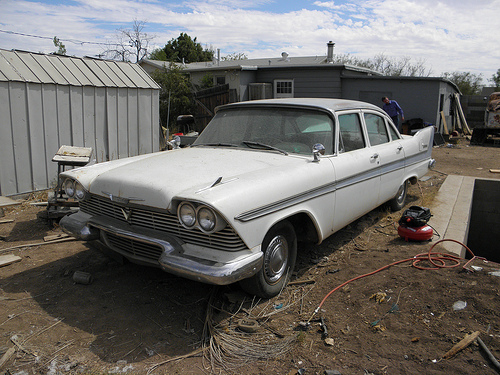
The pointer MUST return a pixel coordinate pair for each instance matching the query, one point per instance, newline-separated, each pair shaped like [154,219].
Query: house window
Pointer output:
[283,88]
[220,80]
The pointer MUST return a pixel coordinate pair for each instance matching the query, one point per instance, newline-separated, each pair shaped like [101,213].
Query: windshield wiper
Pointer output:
[252,144]
[215,144]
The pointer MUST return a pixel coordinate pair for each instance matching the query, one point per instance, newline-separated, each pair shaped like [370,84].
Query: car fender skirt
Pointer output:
[77,226]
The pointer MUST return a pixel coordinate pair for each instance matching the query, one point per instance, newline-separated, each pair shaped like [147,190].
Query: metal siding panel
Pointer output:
[145,124]
[106,75]
[113,66]
[92,76]
[60,64]
[112,121]
[89,135]
[17,62]
[133,75]
[145,76]
[7,69]
[7,165]
[156,119]
[76,72]
[49,94]
[20,136]
[51,70]
[39,157]
[63,115]
[101,129]
[122,115]
[133,126]
[76,110]
[34,66]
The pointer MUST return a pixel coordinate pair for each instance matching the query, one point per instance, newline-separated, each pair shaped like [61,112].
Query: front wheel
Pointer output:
[280,251]
[398,202]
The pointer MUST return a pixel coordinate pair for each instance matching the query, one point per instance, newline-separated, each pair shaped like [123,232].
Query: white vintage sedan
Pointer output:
[261,176]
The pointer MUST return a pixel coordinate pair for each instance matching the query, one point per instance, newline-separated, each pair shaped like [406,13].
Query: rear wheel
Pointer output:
[280,251]
[398,202]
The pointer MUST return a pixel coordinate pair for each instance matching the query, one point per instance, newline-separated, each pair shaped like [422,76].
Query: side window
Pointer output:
[375,126]
[351,135]
[392,132]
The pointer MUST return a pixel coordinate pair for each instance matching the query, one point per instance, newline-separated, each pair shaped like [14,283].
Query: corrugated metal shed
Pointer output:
[47,101]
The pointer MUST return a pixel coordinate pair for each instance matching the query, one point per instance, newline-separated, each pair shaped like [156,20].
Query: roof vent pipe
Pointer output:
[329,56]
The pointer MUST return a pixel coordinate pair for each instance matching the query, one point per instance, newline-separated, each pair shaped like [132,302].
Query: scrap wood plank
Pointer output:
[445,127]
[4,221]
[465,342]
[495,170]
[5,260]
[53,237]
[7,202]
[39,243]
[7,355]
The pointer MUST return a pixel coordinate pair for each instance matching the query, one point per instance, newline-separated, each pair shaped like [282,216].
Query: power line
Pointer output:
[74,41]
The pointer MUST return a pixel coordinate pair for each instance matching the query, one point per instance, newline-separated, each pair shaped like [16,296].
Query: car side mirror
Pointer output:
[318,149]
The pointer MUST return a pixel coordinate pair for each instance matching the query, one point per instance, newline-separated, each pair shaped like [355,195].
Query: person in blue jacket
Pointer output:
[392,108]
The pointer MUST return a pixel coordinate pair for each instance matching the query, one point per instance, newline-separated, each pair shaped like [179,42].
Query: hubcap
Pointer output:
[401,193]
[276,259]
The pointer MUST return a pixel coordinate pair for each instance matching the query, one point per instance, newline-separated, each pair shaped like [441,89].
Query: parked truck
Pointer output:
[489,134]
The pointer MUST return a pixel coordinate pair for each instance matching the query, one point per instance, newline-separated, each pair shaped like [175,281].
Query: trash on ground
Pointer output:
[459,305]
[81,277]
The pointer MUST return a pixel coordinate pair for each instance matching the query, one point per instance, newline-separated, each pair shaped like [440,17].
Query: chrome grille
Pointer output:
[135,248]
[164,222]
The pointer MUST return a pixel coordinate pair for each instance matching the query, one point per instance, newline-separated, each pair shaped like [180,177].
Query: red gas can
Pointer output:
[423,233]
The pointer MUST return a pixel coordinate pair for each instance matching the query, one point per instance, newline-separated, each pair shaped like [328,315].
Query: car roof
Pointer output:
[318,103]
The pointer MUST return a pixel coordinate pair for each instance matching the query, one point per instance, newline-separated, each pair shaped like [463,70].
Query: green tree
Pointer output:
[183,49]
[495,79]
[467,82]
[61,48]
[175,94]
[207,81]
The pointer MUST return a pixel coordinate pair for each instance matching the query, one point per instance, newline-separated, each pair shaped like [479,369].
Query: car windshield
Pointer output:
[269,128]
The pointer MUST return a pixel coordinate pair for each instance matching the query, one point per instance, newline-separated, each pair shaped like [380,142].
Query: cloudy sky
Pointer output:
[450,35]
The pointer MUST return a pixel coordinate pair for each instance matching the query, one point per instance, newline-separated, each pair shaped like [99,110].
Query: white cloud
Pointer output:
[450,35]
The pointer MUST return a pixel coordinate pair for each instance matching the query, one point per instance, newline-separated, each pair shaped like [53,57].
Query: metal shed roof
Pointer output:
[75,71]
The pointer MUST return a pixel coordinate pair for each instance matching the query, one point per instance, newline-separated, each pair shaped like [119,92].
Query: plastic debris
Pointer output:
[459,305]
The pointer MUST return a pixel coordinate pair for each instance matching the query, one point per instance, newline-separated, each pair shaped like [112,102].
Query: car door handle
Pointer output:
[424,145]
[374,156]
[400,148]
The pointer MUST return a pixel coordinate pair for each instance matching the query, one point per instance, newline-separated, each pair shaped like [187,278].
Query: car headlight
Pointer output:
[80,192]
[206,219]
[69,187]
[187,214]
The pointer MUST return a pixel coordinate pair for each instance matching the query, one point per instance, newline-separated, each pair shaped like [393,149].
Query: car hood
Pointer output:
[216,176]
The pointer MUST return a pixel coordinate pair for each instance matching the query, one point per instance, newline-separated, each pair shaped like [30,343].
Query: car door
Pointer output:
[356,171]
[389,152]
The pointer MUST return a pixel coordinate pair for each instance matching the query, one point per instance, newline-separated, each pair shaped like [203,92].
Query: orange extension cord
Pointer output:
[437,260]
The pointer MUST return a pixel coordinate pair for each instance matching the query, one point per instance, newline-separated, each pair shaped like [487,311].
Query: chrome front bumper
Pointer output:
[170,256]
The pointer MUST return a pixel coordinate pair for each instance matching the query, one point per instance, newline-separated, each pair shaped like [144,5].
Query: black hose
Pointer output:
[488,354]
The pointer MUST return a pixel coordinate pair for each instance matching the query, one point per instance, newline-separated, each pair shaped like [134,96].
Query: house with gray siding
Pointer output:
[317,76]
[47,101]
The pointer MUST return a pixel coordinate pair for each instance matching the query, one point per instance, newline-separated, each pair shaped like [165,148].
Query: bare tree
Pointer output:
[388,66]
[131,44]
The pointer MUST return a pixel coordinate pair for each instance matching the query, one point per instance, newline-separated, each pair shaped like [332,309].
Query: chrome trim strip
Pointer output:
[326,189]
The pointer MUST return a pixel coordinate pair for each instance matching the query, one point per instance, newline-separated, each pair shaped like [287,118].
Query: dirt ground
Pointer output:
[137,320]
